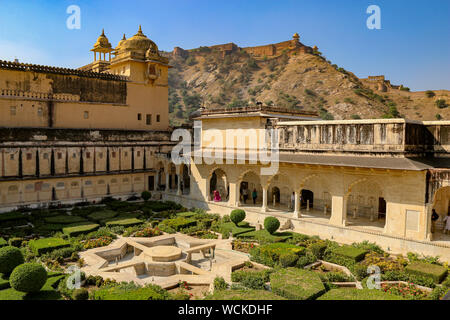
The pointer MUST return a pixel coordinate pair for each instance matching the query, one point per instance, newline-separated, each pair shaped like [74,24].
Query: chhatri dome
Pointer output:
[139,42]
[102,44]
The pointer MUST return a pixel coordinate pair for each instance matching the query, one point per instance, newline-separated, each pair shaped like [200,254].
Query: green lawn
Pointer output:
[41,246]
[47,292]
[355,294]
[296,284]
[265,236]
[77,229]
[242,227]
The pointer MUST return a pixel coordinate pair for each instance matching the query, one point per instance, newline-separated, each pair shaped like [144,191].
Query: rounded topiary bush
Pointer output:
[28,277]
[271,224]
[80,294]
[145,195]
[237,215]
[10,257]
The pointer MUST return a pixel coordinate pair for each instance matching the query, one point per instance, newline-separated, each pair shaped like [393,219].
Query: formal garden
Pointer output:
[39,247]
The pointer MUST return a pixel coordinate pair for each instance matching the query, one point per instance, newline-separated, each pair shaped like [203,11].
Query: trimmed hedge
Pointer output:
[28,277]
[42,246]
[263,236]
[296,284]
[77,229]
[11,216]
[252,279]
[270,254]
[353,253]
[65,219]
[102,215]
[10,258]
[127,222]
[4,283]
[243,295]
[356,294]
[433,271]
[130,292]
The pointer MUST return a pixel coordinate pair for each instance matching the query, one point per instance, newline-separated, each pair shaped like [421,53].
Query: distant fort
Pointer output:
[270,50]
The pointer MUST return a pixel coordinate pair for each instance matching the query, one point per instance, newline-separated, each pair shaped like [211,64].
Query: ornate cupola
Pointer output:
[102,46]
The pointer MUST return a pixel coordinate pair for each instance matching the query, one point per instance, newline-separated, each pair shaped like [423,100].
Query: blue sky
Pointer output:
[412,48]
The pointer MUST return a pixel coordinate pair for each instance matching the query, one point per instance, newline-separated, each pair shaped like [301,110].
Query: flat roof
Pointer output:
[393,163]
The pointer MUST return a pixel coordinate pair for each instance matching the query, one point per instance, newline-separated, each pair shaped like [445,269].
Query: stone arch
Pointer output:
[185,176]
[364,197]
[249,181]
[218,181]
[441,203]
[281,187]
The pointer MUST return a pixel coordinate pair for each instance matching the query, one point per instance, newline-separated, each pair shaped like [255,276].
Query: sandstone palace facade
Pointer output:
[103,130]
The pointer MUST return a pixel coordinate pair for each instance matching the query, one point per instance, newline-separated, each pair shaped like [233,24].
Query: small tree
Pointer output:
[146,195]
[430,94]
[271,224]
[237,216]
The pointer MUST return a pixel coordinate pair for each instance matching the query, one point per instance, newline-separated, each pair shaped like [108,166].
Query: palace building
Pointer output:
[75,135]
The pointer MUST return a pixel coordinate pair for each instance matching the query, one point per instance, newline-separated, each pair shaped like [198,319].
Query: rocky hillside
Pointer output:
[305,81]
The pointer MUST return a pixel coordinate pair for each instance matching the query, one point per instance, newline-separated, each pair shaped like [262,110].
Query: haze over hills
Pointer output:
[289,75]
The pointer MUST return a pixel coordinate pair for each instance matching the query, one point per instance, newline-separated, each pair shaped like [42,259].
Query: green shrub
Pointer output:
[220,284]
[10,258]
[296,284]
[430,94]
[288,260]
[269,254]
[271,224]
[305,260]
[441,103]
[433,271]
[237,216]
[145,195]
[350,252]
[396,275]
[178,223]
[3,243]
[318,249]
[16,242]
[80,294]
[368,246]
[235,230]
[28,277]
[335,276]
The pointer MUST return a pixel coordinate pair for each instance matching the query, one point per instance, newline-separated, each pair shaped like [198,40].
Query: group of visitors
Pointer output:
[245,193]
[435,218]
